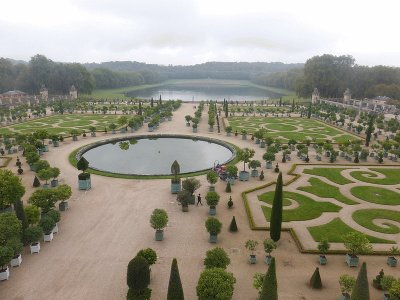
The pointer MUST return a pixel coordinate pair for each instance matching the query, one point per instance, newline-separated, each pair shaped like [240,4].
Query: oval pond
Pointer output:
[154,156]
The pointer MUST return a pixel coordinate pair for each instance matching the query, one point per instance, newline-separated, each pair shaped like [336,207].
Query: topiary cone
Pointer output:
[361,288]
[228,187]
[175,291]
[315,280]
[36,182]
[233,225]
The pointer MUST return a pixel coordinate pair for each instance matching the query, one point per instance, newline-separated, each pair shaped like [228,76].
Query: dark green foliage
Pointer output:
[175,290]
[36,182]
[54,214]
[356,159]
[269,289]
[216,258]
[215,283]
[369,130]
[309,112]
[261,175]
[32,235]
[6,254]
[20,212]
[361,288]
[138,274]
[82,164]
[233,226]
[139,295]
[47,224]
[315,281]
[276,212]
[230,202]
[377,281]
[228,187]
[149,255]
[10,227]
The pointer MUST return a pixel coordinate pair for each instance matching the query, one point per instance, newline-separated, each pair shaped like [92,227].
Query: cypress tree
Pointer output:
[315,280]
[369,131]
[309,112]
[20,212]
[276,212]
[269,289]
[226,109]
[233,226]
[140,108]
[151,102]
[160,101]
[361,288]
[175,291]
[293,106]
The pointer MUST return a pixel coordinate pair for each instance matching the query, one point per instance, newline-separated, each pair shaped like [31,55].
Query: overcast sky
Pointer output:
[196,31]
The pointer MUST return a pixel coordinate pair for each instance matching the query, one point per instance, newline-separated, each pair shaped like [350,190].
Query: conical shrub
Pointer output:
[361,288]
[36,182]
[175,291]
[315,280]
[233,225]
[228,187]
[269,289]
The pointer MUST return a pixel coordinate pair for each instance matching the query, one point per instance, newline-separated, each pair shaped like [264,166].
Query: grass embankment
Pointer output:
[308,209]
[336,230]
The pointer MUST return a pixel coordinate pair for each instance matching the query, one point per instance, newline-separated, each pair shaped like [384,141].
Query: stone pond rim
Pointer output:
[99,171]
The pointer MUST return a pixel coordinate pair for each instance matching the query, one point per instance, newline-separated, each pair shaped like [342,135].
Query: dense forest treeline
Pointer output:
[330,74]
[333,74]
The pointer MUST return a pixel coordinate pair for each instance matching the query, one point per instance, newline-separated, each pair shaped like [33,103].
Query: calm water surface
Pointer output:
[188,93]
[155,156]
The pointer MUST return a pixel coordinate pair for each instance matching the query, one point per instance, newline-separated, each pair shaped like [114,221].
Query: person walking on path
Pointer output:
[199,200]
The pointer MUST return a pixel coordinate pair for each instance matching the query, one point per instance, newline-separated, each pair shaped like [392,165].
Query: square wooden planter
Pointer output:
[4,275]
[16,262]
[35,248]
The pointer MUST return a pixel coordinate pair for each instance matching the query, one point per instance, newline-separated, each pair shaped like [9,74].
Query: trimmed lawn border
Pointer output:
[329,174]
[291,230]
[340,229]
[390,179]
[365,217]
[226,123]
[72,158]
[373,194]
[323,190]
[308,208]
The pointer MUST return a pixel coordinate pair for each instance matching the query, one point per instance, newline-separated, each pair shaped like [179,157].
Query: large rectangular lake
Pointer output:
[198,93]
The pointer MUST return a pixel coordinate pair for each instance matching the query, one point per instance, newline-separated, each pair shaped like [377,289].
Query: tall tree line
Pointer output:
[57,77]
[332,75]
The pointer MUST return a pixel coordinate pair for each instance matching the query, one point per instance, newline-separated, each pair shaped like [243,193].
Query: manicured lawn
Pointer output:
[308,208]
[285,201]
[63,124]
[324,190]
[290,128]
[376,195]
[365,218]
[335,230]
[333,174]
[392,176]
